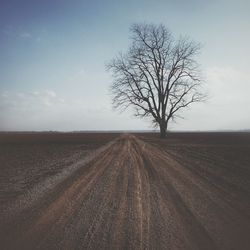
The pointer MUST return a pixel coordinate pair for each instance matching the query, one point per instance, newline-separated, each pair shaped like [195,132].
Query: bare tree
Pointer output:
[158,75]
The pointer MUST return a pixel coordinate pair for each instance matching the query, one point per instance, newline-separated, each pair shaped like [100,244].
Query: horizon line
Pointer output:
[123,131]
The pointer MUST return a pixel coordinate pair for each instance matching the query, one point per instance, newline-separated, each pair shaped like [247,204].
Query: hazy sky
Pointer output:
[53,55]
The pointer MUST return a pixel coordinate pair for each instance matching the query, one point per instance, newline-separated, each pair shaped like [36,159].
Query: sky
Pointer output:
[53,55]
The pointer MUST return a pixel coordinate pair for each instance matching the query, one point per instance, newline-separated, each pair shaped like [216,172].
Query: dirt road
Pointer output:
[131,195]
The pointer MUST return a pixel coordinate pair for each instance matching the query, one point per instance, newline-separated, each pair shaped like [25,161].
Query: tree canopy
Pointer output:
[158,76]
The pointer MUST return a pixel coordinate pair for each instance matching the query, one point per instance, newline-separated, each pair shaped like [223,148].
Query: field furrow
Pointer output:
[134,195]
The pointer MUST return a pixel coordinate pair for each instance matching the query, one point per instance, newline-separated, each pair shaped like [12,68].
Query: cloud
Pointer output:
[229,87]
[13,32]
[46,110]
[25,35]
[228,106]
[78,76]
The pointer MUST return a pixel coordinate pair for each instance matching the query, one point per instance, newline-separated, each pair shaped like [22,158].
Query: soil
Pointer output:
[125,191]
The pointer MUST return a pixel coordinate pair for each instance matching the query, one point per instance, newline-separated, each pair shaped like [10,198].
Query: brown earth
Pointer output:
[190,191]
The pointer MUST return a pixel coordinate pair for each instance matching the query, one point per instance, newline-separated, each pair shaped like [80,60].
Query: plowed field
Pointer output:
[189,191]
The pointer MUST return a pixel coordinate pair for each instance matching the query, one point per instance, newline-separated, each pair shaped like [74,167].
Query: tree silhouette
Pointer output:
[158,75]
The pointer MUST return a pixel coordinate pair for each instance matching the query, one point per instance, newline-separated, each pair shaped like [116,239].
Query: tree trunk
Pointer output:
[163,129]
